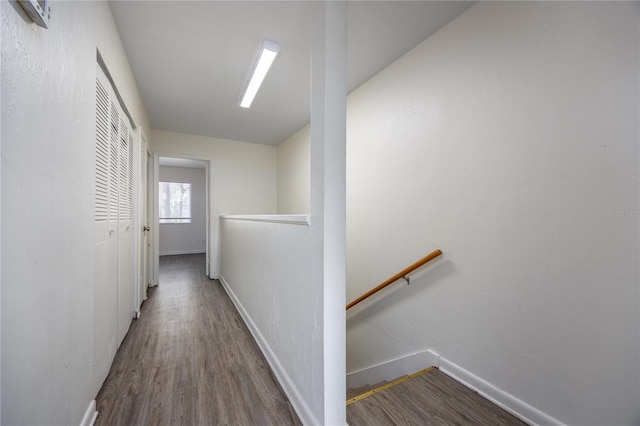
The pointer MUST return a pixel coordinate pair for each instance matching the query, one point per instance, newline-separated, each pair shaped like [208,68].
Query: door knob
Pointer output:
[146,228]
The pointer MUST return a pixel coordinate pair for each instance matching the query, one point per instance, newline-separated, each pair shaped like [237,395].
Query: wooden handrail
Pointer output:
[396,277]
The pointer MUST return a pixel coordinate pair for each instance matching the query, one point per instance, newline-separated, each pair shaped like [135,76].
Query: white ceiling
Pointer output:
[191,59]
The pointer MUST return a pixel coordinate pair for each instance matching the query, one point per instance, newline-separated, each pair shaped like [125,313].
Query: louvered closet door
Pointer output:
[105,277]
[125,234]
[113,274]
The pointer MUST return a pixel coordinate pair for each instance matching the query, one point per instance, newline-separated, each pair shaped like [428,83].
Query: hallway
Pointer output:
[189,359]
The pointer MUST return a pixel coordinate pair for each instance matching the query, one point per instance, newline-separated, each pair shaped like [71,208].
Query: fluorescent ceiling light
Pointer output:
[269,51]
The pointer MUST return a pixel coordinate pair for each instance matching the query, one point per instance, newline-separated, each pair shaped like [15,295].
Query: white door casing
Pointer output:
[145,219]
[140,221]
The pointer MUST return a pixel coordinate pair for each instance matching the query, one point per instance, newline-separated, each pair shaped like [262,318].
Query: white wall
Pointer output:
[48,134]
[294,179]
[242,176]
[509,140]
[186,238]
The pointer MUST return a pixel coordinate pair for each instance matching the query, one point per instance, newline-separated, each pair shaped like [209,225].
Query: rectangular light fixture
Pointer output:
[268,53]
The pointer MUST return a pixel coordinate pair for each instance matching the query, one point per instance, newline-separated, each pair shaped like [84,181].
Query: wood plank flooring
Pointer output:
[432,398]
[190,360]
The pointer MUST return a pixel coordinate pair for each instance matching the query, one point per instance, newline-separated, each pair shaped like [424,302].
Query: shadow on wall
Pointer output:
[422,281]
[20,10]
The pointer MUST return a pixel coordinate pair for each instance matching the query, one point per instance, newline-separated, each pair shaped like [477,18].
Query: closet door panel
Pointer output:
[125,234]
[113,271]
[104,292]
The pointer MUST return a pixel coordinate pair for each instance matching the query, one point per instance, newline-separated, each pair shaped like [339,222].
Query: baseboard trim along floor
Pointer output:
[504,400]
[407,365]
[392,369]
[296,400]
[90,415]
[387,386]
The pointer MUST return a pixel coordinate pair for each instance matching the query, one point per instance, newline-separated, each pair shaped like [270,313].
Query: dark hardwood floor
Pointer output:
[190,360]
[431,398]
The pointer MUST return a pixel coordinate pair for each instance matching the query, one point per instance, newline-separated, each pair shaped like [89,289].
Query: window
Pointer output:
[175,202]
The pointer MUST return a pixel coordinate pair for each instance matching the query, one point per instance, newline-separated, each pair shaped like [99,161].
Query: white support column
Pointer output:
[328,199]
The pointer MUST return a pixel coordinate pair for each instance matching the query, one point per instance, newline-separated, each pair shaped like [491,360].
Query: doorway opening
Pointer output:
[181,210]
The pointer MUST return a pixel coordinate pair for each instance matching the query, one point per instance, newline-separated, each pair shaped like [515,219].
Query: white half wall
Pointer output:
[242,177]
[186,238]
[508,139]
[48,139]
[266,269]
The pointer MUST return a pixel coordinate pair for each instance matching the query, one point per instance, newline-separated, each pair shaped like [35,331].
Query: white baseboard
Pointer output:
[90,415]
[392,369]
[295,398]
[506,401]
[177,252]
[413,363]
